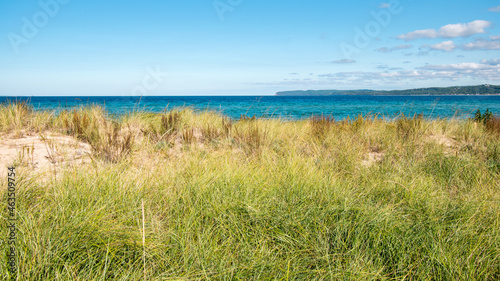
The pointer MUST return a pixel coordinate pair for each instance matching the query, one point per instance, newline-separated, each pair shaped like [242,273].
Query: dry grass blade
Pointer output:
[143,238]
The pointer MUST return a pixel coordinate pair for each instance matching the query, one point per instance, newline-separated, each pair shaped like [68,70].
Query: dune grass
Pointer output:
[256,199]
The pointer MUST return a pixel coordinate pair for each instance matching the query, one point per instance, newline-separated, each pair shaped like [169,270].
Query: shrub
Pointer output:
[491,122]
[485,117]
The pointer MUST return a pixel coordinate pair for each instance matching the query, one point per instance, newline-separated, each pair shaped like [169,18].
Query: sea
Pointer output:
[282,107]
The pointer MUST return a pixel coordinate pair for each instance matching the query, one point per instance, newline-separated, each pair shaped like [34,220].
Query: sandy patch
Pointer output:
[442,140]
[449,144]
[42,152]
[372,158]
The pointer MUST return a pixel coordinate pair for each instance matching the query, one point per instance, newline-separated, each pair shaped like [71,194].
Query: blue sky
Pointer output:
[244,47]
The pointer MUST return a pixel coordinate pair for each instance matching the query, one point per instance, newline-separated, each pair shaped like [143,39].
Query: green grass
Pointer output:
[259,199]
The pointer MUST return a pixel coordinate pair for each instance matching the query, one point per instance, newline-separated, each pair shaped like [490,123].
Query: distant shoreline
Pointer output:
[478,90]
[417,95]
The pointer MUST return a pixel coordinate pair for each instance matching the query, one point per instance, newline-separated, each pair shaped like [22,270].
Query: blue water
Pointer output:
[284,107]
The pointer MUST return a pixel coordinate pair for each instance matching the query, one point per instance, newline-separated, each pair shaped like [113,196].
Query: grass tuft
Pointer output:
[410,128]
[493,125]
[321,126]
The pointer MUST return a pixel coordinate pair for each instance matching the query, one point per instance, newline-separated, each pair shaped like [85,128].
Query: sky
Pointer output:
[244,47]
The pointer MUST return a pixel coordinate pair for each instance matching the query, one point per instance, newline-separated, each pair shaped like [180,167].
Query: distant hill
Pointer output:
[460,90]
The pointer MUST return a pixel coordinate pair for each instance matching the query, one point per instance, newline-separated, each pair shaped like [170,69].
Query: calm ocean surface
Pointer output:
[283,107]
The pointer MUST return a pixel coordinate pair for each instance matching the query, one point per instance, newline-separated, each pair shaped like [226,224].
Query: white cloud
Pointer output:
[442,72]
[387,50]
[387,68]
[494,9]
[466,66]
[384,5]
[383,50]
[481,45]
[491,61]
[471,70]
[449,31]
[344,61]
[464,30]
[486,70]
[426,33]
[495,37]
[482,71]
[447,46]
